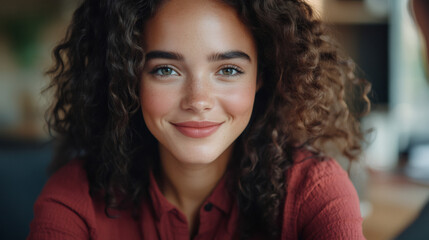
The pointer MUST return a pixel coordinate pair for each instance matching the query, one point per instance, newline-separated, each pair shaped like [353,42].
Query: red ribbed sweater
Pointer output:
[321,204]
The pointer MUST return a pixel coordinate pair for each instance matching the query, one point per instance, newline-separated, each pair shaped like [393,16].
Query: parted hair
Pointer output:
[309,98]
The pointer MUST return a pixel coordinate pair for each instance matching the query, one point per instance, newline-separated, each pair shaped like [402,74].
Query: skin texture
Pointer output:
[196,86]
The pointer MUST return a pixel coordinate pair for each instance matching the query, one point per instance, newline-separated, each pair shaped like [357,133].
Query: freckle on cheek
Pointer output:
[156,103]
[240,102]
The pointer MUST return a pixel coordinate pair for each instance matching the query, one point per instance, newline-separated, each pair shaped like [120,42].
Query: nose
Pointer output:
[198,95]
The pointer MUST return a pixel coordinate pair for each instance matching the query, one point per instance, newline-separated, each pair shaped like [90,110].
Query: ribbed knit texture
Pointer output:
[321,204]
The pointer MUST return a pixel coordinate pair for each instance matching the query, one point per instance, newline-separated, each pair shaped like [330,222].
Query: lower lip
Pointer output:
[197,132]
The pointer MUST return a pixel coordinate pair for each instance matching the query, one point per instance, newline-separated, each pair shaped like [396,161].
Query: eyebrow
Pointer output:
[212,58]
[228,55]
[164,55]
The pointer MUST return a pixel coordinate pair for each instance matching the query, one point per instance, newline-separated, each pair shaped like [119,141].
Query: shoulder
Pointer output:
[310,170]
[64,208]
[68,185]
[321,201]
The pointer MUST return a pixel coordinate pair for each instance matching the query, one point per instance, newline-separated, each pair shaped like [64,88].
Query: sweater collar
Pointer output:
[220,197]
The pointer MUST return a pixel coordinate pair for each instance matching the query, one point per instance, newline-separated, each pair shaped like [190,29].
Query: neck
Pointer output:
[187,185]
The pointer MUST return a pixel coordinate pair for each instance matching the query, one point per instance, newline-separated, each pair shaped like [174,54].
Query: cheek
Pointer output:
[239,102]
[156,101]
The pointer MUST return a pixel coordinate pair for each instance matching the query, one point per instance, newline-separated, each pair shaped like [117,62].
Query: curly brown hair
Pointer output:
[309,98]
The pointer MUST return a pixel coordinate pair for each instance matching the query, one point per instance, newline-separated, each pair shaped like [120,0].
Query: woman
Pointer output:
[200,119]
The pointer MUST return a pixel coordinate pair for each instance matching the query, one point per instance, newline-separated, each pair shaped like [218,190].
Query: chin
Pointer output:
[196,152]
[199,154]
[198,157]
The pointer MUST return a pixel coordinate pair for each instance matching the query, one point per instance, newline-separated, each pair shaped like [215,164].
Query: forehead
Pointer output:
[208,22]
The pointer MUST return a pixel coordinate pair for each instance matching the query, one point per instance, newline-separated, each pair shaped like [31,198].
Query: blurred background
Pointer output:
[382,36]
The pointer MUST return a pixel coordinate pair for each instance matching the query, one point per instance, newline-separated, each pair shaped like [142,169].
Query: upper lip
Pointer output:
[197,124]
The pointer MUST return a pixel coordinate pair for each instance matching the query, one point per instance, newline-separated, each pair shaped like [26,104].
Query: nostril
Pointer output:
[198,95]
[198,103]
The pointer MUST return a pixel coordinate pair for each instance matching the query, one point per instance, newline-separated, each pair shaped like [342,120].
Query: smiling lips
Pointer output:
[198,129]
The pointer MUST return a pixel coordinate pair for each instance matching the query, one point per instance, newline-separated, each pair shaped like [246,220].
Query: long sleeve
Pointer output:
[66,210]
[331,209]
[322,203]
[63,208]
[53,220]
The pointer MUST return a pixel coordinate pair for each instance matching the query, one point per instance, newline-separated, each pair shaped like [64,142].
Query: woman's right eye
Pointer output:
[164,71]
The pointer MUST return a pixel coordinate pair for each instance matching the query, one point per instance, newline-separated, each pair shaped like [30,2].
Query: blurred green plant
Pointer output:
[22,21]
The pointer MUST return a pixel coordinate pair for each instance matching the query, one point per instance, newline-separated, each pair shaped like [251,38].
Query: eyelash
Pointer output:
[239,71]
[156,69]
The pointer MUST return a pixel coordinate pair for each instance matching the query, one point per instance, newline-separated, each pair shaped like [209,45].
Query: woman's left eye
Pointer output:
[229,71]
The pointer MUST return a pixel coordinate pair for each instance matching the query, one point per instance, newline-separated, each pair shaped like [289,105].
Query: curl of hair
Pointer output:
[309,97]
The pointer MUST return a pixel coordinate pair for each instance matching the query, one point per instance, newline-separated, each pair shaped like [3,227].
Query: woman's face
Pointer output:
[199,80]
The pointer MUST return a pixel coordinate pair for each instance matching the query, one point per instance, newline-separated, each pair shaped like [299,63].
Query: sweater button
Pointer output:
[208,207]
